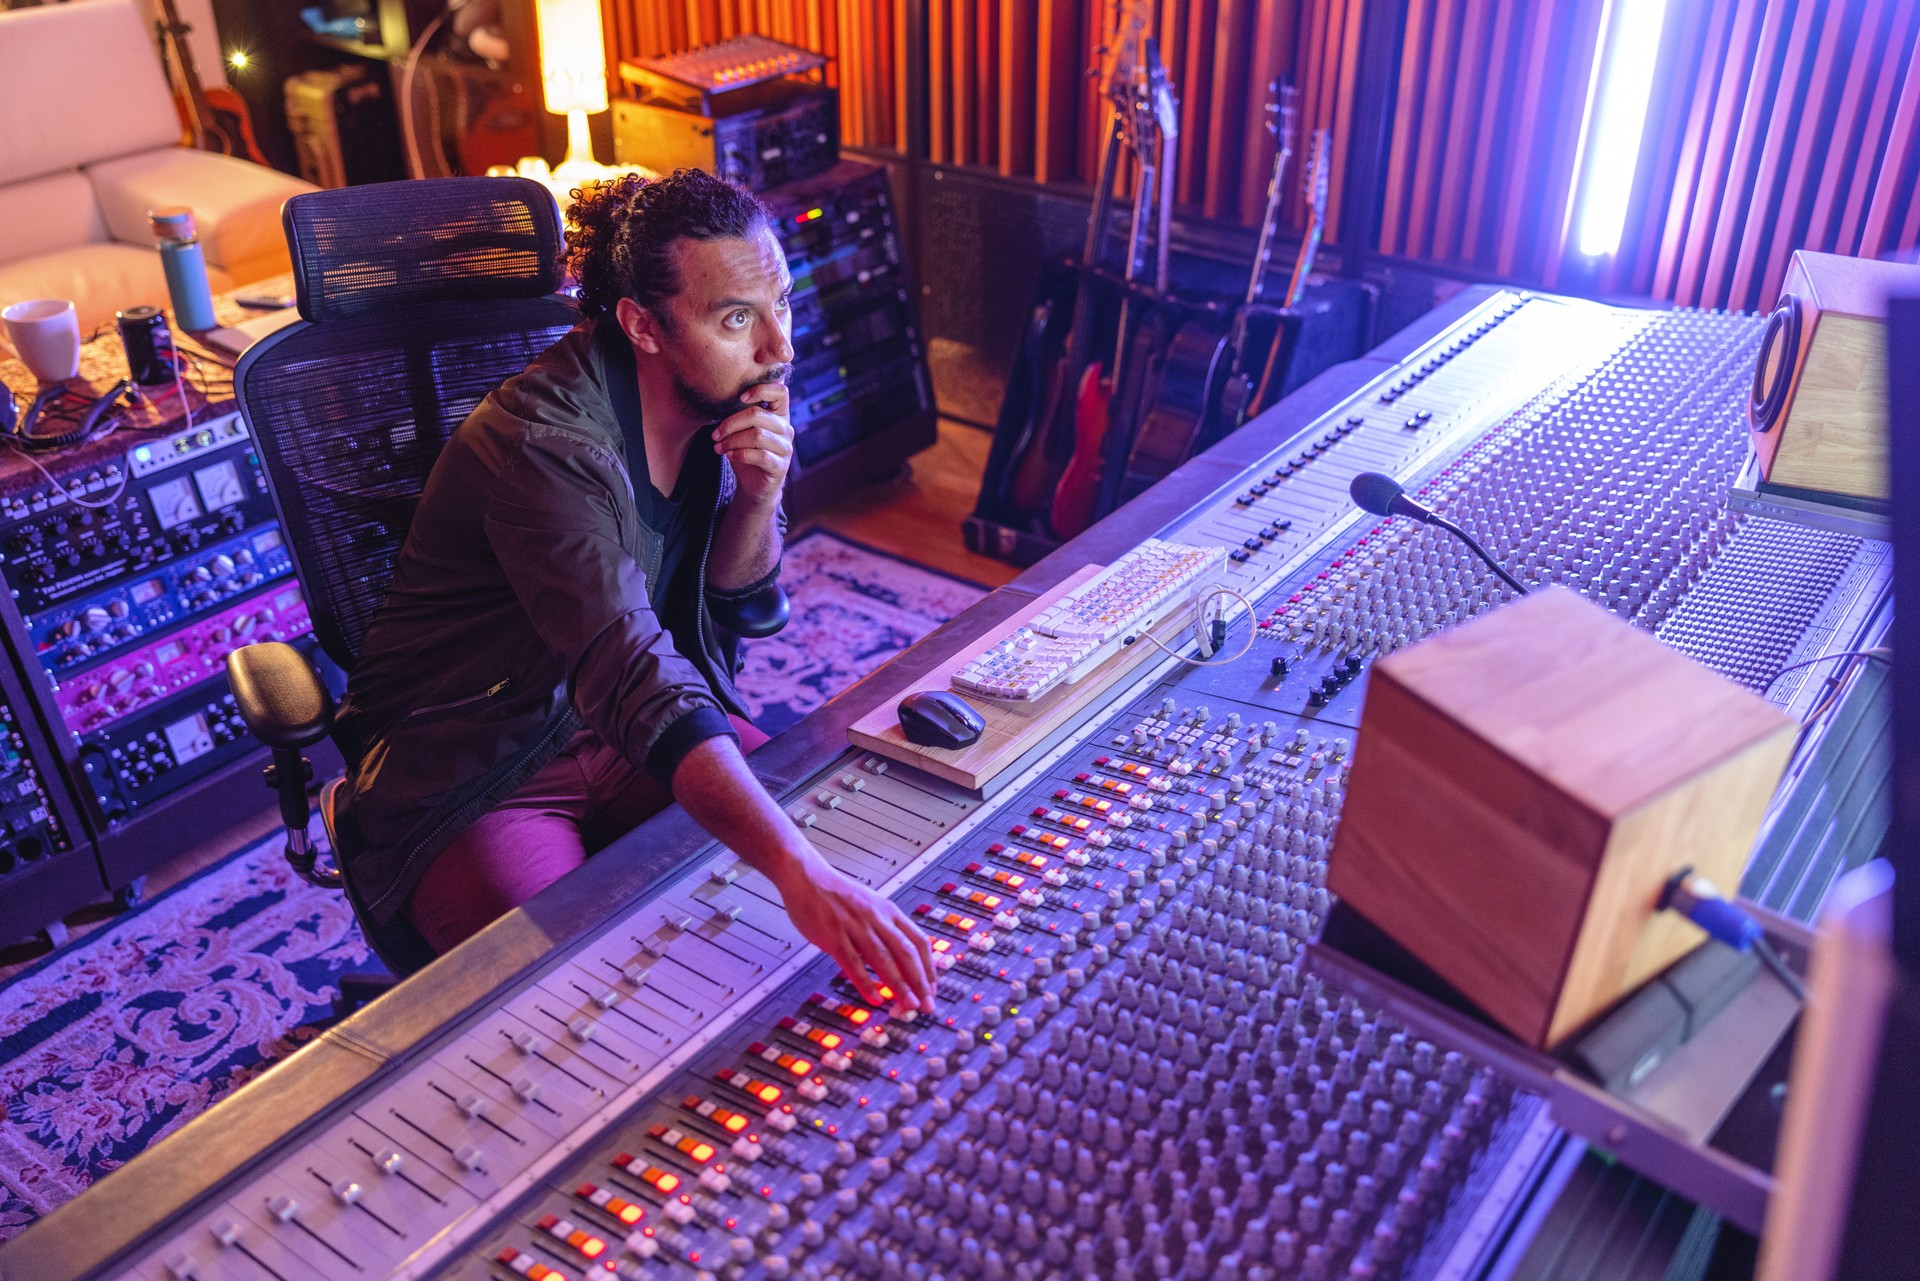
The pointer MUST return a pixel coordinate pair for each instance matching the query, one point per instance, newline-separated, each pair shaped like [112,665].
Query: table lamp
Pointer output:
[573,80]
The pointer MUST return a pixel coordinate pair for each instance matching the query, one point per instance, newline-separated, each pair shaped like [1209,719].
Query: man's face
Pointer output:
[729,327]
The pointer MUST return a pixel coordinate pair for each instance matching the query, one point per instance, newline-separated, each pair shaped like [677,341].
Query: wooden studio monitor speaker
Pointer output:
[1818,412]
[1524,787]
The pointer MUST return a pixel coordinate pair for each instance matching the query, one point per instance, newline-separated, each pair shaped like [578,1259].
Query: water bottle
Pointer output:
[185,266]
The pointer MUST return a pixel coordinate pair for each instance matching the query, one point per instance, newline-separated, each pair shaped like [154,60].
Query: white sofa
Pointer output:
[89,141]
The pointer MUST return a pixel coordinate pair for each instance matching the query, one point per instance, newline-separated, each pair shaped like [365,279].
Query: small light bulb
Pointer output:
[237,59]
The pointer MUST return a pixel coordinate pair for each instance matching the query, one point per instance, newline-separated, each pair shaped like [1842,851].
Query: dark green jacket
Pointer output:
[518,612]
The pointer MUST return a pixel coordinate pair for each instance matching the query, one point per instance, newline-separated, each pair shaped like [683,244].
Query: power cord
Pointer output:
[1700,901]
[1210,635]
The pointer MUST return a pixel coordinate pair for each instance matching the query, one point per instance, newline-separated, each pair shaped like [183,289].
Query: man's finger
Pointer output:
[847,957]
[880,959]
[907,958]
[773,395]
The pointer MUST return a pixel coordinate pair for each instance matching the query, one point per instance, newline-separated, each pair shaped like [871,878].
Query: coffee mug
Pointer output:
[46,333]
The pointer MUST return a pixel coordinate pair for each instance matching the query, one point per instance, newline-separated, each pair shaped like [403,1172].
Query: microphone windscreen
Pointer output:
[1375,492]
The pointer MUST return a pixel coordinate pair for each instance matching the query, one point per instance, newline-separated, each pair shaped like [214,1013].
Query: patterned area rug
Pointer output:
[853,609]
[110,1044]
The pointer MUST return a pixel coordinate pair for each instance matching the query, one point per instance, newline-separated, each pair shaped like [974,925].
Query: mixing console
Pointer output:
[1139,1068]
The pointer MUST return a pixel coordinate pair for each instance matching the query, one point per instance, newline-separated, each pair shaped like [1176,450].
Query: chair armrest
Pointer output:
[282,699]
[752,617]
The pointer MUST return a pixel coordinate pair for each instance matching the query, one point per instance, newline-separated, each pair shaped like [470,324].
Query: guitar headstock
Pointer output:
[1119,67]
[1159,104]
[1282,111]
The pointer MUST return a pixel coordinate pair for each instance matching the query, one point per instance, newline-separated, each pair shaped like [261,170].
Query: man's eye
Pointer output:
[737,319]
[786,300]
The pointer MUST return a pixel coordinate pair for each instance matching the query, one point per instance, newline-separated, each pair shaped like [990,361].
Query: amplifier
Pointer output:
[30,828]
[792,135]
[860,389]
[139,677]
[93,519]
[133,565]
[113,617]
[156,751]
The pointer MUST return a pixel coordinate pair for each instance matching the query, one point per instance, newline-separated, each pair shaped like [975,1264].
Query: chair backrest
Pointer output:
[417,298]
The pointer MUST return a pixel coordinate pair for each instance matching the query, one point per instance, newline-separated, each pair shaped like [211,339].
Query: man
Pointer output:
[546,670]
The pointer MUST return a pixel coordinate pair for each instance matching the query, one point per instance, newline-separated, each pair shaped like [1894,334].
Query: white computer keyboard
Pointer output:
[1086,626]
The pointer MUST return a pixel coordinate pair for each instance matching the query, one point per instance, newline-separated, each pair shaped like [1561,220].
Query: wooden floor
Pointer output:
[918,516]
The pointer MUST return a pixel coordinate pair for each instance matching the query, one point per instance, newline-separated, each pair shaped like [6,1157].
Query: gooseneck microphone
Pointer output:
[1381,494]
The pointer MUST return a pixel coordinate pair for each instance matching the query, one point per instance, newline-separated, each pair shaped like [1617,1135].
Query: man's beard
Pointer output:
[709,410]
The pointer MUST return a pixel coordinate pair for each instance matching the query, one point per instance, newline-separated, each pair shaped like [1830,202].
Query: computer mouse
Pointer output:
[936,718]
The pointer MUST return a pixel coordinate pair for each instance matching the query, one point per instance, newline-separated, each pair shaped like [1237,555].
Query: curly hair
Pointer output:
[620,234]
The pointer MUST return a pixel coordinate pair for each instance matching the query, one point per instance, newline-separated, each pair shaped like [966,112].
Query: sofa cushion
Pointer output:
[44,214]
[235,203]
[100,279]
[79,82]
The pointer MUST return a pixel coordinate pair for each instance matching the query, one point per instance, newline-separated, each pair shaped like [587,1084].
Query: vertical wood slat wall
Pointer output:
[1775,124]
[1010,85]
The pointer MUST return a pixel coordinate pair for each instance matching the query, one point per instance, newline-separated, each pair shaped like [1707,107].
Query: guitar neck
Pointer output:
[1263,255]
[175,32]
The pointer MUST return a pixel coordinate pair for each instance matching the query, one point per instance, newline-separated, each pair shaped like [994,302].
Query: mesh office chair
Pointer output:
[418,298]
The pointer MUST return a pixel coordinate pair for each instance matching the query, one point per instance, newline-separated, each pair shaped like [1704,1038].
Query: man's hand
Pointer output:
[861,931]
[758,441]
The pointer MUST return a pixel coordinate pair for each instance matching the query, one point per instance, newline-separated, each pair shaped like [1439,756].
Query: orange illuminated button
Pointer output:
[855,1014]
[588,1245]
[752,1085]
[1036,862]
[822,1037]
[529,1267]
[662,1181]
[952,920]
[626,1211]
[1012,880]
[780,1058]
[691,1146]
[726,1118]
[979,898]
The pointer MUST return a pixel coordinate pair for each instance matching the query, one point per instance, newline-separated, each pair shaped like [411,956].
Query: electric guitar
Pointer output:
[1287,333]
[1045,439]
[215,119]
[1204,387]
[1152,131]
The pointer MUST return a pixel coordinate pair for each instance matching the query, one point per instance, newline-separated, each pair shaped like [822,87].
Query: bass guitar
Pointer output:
[215,119]
[1152,129]
[1045,438]
[1204,387]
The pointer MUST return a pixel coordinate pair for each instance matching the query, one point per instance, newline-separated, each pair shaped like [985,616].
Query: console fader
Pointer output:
[1139,1067]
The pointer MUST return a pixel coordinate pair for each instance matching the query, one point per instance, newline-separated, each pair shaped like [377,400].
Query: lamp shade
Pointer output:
[573,55]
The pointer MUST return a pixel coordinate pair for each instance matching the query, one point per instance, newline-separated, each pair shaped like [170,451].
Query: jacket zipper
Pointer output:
[491,691]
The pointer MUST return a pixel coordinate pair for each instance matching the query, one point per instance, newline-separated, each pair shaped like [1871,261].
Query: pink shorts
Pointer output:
[585,797]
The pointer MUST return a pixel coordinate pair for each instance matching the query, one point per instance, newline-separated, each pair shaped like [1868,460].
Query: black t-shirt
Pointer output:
[682,518]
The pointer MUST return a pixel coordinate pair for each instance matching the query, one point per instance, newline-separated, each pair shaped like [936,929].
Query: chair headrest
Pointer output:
[389,244]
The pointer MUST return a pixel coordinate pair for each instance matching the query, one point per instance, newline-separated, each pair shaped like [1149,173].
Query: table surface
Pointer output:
[207,382]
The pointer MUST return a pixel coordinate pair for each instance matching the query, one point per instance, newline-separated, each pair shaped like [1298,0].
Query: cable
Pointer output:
[1787,977]
[407,70]
[1832,700]
[1882,652]
[68,494]
[1696,898]
[1215,590]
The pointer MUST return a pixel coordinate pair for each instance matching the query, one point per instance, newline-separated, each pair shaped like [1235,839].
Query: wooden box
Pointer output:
[1524,786]
[1818,415]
